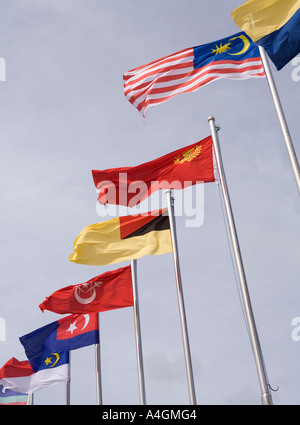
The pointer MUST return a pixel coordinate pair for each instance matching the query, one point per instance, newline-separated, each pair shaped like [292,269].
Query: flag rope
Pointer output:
[261,371]
[231,257]
[235,275]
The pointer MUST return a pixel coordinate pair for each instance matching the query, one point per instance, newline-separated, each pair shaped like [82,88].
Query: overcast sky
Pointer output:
[63,113]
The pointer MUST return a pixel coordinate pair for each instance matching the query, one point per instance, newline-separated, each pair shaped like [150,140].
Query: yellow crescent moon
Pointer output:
[57,358]
[246,44]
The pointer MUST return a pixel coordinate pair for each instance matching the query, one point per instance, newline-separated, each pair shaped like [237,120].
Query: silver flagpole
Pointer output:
[266,397]
[68,383]
[281,117]
[186,345]
[98,367]
[30,399]
[138,338]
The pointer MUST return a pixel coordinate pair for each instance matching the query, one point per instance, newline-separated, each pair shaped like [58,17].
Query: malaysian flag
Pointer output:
[235,57]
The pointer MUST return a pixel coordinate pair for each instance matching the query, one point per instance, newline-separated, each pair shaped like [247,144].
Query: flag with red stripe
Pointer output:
[235,57]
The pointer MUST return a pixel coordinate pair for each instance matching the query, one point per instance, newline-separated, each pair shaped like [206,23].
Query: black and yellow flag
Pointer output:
[123,238]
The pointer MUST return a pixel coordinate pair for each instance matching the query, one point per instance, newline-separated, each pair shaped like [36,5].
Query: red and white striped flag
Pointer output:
[236,57]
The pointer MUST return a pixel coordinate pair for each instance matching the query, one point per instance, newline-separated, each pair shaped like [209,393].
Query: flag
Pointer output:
[20,377]
[108,291]
[12,398]
[44,345]
[272,24]
[176,170]
[234,57]
[123,238]
[12,369]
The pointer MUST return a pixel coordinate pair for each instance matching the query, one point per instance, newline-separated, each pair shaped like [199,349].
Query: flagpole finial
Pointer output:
[217,127]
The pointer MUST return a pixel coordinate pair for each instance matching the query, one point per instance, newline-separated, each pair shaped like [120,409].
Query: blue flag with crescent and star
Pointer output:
[49,345]
[237,47]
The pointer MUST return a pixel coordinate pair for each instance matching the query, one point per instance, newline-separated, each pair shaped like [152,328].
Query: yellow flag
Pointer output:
[123,239]
[259,18]
[273,25]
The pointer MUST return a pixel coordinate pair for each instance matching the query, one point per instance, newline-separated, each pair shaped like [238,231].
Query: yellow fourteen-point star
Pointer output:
[221,49]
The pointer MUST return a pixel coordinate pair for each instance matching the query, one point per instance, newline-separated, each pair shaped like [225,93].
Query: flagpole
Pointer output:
[30,399]
[138,338]
[281,117]
[68,382]
[186,345]
[265,393]
[98,367]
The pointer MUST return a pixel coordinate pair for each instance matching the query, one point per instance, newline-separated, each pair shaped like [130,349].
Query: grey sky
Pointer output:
[63,113]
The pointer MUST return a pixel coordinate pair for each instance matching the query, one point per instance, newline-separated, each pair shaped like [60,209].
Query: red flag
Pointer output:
[12,373]
[108,291]
[176,170]
[78,325]
[14,368]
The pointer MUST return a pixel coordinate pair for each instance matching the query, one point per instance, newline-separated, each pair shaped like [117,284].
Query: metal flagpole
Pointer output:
[265,393]
[281,117]
[98,367]
[138,338]
[30,399]
[186,345]
[68,383]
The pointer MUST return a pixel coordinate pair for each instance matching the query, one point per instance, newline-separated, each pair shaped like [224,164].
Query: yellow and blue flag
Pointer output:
[272,24]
